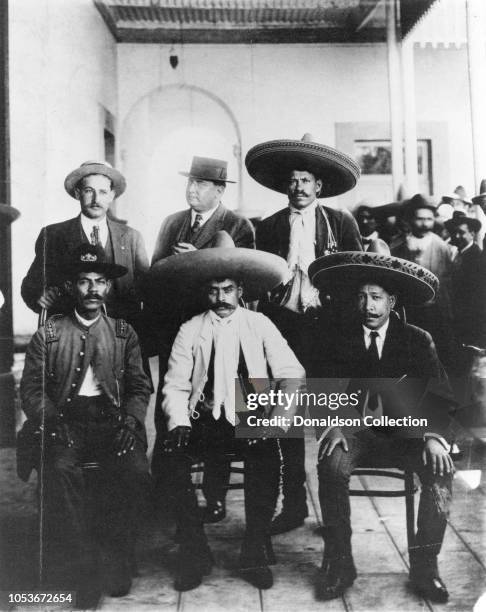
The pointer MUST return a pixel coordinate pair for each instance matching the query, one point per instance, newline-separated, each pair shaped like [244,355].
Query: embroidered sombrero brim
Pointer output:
[341,273]
[186,273]
[94,167]
[271,163]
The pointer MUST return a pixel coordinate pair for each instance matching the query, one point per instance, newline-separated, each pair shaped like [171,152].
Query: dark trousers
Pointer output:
[261,463]
[298,330]
[80,507]
[370,448]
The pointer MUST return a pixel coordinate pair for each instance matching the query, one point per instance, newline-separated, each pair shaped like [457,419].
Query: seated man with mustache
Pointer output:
[84,387]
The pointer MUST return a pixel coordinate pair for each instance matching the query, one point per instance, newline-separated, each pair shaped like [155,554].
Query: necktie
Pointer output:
[95,235]
[197,224]
[374,364]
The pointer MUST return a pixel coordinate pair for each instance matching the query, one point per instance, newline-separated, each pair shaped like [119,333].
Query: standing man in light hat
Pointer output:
[212,351]
[304,170]
[95,184]
[188,230]
[373,344]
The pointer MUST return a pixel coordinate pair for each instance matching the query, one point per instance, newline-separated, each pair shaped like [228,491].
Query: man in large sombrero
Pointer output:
[304,171]
[211,350]
[374,344]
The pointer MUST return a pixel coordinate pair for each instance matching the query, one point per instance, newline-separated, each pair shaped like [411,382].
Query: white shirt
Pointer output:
[90,385]
[380,338]
[206,215]
[226,338]
[87,225]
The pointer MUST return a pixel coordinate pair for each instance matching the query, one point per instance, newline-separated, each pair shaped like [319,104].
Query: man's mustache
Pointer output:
[222,305]
[93,296]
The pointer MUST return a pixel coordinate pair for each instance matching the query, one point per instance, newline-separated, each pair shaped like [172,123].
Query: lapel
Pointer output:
[209,229]
[205,340]
[321,231]
[183,230]
[392,347]
[282,232]
[118,233]
[74,234]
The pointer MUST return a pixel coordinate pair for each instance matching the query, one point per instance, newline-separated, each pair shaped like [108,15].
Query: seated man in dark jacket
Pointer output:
[403,405]
[84,386]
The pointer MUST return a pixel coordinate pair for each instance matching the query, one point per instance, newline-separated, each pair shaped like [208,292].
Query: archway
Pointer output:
[159,137]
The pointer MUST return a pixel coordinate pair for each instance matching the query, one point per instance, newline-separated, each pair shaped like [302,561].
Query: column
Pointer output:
[395,97]
[476,56]
[410,120]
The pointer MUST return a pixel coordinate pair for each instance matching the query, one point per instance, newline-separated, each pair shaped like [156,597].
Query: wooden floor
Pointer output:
[379,547]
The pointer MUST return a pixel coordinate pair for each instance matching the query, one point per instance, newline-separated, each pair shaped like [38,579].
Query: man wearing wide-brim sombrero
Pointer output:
[83,384]
[468,287]
[211,350]
[372,344]
[303,170]
[95,185]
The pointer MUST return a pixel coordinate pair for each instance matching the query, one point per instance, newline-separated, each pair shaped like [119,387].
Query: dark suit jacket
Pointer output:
[175,227]
[408,352]
[57,240]
[273,233]
[468,281]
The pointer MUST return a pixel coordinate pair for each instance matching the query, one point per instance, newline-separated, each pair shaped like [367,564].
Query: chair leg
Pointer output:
[410,509]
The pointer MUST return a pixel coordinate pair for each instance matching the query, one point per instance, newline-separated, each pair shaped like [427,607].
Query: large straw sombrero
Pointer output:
[341,273]
[95,167]
[186,273]
[270,164]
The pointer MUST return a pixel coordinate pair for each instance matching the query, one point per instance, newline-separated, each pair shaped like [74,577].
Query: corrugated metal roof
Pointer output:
[246,20]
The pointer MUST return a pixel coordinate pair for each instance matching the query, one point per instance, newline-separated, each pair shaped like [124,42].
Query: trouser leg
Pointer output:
[293,476]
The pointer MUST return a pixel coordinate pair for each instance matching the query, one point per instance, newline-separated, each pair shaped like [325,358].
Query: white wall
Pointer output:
[62,72]
[282,91]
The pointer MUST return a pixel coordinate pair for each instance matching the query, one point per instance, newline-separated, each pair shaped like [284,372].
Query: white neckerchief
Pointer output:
[301,294]
[90,385]
[87,225]
[206,215]
[226,338]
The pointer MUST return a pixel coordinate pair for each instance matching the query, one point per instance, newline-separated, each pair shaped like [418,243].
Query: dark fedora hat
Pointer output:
[459,218]
[340,274]
[95,167]
[208,169]
[271,163]
[418,201]
[91,258]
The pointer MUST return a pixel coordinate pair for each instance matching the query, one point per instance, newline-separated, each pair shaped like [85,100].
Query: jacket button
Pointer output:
[78,369]
[68,399]
[73,385]
[83,337]
[81,353]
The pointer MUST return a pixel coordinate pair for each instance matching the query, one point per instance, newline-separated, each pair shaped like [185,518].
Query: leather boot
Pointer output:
[337,571]
[254,562]
[425,579]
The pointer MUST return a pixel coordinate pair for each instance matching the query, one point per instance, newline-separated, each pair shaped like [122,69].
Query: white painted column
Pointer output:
[409,117]
[476,55]
[395,97]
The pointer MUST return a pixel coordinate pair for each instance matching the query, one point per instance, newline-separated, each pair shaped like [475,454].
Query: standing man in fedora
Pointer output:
[188,230]
[304,170]
[95,184]
[371,345]
[224,350]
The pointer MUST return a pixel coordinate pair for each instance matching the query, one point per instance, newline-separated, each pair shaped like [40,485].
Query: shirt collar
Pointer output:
[372,236]
[224,320]
[381,332]
[85,322]
[304,211]
[87,222]
[207,214]
[466,248]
